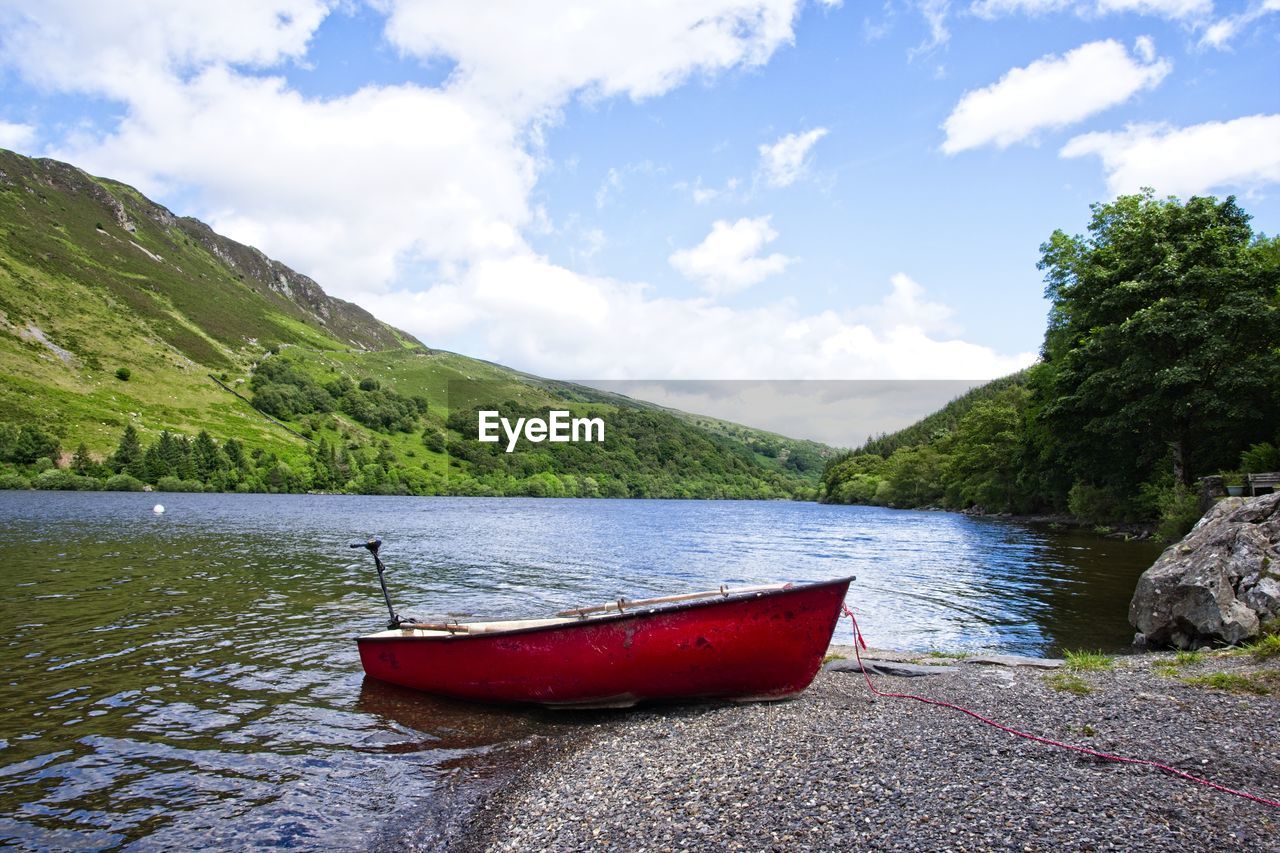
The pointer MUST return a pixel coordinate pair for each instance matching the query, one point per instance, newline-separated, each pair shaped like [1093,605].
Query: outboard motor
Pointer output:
[373,544]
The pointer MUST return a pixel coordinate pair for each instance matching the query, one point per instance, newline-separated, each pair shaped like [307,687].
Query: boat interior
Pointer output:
[414,628]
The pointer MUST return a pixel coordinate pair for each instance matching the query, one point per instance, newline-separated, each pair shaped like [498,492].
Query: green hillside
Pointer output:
[116,313]
[942,423]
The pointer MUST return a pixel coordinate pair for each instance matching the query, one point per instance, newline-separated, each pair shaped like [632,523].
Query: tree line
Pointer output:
[1160,365]
[645,454]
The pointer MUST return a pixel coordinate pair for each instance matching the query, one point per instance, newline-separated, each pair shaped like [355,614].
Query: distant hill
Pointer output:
[943,422]
[116,312]
[909,467]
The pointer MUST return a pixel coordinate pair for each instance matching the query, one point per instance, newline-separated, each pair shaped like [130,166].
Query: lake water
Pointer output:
[189,679]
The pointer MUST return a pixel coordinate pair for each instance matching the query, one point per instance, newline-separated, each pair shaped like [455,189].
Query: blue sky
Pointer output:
[735,189]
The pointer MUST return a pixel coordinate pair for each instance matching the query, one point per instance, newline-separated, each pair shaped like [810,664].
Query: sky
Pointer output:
[667,190]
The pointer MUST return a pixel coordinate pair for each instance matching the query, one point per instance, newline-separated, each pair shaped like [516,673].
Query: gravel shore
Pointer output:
[837,769]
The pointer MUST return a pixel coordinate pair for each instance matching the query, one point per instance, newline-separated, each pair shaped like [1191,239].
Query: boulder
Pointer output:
[1221,583]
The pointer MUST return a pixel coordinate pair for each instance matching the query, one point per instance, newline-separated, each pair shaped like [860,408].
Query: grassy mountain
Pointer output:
[115,312]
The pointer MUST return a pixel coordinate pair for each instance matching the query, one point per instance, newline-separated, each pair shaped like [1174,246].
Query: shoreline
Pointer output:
[836,767]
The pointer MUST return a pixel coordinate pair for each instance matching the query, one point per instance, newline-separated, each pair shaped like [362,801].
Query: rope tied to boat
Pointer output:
[1106,756]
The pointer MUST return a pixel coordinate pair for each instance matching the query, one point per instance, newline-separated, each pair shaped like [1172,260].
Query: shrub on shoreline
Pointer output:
[13,482]
[123,483]
[60,480]
[173,484]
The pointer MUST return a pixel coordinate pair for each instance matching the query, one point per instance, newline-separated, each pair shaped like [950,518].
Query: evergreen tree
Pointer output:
[128,454]
[234,451]
[82,463]
[207,459]
[186,468]
[154,465]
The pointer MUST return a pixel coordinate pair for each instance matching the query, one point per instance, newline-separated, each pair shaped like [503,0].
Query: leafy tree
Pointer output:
[1261,458]
[1161,340]
[433,440]
[913,477]
[987,454]
[27,444]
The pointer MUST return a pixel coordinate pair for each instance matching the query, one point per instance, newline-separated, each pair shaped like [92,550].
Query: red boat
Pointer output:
[755,643]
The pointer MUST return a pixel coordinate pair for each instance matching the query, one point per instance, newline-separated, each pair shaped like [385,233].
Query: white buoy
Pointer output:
[158,509]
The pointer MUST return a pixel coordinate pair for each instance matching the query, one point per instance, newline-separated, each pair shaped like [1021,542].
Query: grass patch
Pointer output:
[1166,668]
[1065,682]
[947,655]
[1084,661]
[1258,684]
[830,656]
[1266,648]
[1188,658]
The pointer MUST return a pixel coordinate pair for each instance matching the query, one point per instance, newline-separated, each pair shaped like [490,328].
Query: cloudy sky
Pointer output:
[709,189]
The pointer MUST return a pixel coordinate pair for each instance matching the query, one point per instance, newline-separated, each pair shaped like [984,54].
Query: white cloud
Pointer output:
[729,259]
[356,189]
[1052,92]
[702,194]
[346,189]
[935,14]
[611,183]
[530,56]
[905,307]
[1145,48]
[523,305]
[16,136]
[1220,33]
[353,189]
[1240,154]
[783,162]
[116,47]
[1172,9]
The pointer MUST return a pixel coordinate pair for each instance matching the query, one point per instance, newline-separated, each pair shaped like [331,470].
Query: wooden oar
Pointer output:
[434,626]
[623,604]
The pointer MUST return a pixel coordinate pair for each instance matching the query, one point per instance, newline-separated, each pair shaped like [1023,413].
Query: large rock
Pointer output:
[1220,583]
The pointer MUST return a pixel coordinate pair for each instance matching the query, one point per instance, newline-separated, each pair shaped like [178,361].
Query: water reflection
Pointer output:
[192,675]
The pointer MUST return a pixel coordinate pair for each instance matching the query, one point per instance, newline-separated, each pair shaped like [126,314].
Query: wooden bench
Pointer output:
[1253,482]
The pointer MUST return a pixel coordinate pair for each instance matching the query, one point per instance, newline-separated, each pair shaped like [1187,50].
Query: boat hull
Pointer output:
[767,645]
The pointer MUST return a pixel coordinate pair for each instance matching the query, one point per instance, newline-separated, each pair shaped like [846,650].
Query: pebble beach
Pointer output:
[837,768]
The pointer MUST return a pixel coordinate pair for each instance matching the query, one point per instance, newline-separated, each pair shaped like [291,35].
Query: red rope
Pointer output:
[857,632]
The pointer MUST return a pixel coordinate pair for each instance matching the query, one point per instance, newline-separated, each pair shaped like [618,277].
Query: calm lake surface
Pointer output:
[190,680]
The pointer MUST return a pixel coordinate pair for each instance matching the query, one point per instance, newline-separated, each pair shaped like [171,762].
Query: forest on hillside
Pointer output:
[1160,365]
[364,437]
